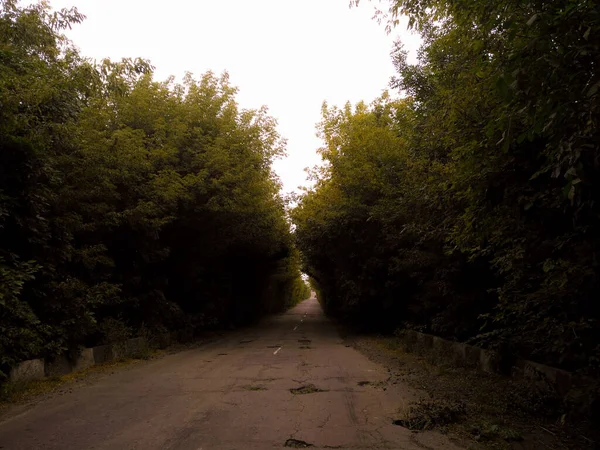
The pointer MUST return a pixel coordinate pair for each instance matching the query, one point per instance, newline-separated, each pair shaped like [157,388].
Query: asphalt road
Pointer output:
[235,393]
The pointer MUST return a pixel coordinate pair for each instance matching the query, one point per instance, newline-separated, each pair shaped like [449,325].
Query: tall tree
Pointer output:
[128,202]
[490,216]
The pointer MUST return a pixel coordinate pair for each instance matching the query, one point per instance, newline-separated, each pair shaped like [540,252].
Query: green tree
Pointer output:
[481,222]
[126,202]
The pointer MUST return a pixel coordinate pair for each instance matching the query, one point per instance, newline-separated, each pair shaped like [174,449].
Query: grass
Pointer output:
[426,415]
[490,431]
[17,392]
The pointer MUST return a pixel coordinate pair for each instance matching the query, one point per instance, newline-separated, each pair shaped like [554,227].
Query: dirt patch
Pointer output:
[306,389]
[297,443]
[499,412]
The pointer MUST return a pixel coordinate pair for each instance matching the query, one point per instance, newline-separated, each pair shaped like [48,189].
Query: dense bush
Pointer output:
[470,208]
[124,198]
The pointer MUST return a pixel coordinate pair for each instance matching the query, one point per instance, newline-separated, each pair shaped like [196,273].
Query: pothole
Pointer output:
[306,389]
[376,384]
[304,341]
[297,443]
[254,387]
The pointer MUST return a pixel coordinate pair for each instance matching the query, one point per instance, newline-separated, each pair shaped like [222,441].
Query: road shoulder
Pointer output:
[483,410]
[21,397]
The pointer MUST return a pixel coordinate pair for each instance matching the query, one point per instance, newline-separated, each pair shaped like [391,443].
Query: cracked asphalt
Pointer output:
[235,393]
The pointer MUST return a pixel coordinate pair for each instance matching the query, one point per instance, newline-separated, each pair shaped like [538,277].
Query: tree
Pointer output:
[487,208]
[128,202]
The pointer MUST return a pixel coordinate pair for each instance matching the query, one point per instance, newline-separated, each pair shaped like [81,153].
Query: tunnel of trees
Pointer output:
[462,204]
[128,203]
[467,206]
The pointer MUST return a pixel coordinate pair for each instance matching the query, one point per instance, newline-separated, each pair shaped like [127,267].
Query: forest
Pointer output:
[127,204]
[463,202]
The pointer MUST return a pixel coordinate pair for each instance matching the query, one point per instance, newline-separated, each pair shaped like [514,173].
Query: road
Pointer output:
[235,393]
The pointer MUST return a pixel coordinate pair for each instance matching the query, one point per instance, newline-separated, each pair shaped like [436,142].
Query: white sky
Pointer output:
[288,55]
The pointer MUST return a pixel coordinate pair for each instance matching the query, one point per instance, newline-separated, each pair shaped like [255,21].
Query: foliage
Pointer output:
[125,200]
[470,207]
[428,414]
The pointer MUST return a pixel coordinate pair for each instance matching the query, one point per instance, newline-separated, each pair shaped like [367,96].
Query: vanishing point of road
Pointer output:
[235,393]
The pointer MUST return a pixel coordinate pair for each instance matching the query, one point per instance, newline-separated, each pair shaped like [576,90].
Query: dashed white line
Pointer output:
[275,352]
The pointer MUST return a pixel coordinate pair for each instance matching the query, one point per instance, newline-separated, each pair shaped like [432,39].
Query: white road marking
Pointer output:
[275,352]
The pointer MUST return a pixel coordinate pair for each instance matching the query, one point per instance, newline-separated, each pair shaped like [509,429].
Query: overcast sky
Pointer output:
[288,55]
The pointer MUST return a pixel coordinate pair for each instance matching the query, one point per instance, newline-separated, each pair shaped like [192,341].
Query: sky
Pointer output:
[288,55]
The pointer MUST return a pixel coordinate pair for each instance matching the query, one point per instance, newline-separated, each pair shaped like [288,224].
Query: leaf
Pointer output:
[548,265]
[572,193]
[531,20]
[556,172]
[586,35]
[502,86]
[571,172]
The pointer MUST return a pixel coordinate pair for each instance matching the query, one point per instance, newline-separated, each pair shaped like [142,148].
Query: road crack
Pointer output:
[325,422]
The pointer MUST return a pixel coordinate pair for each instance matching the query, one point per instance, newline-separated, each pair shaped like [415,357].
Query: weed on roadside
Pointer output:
[426,415]
[489,431]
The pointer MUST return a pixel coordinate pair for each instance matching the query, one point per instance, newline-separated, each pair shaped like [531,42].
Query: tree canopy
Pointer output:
[122,198]
[469,206]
